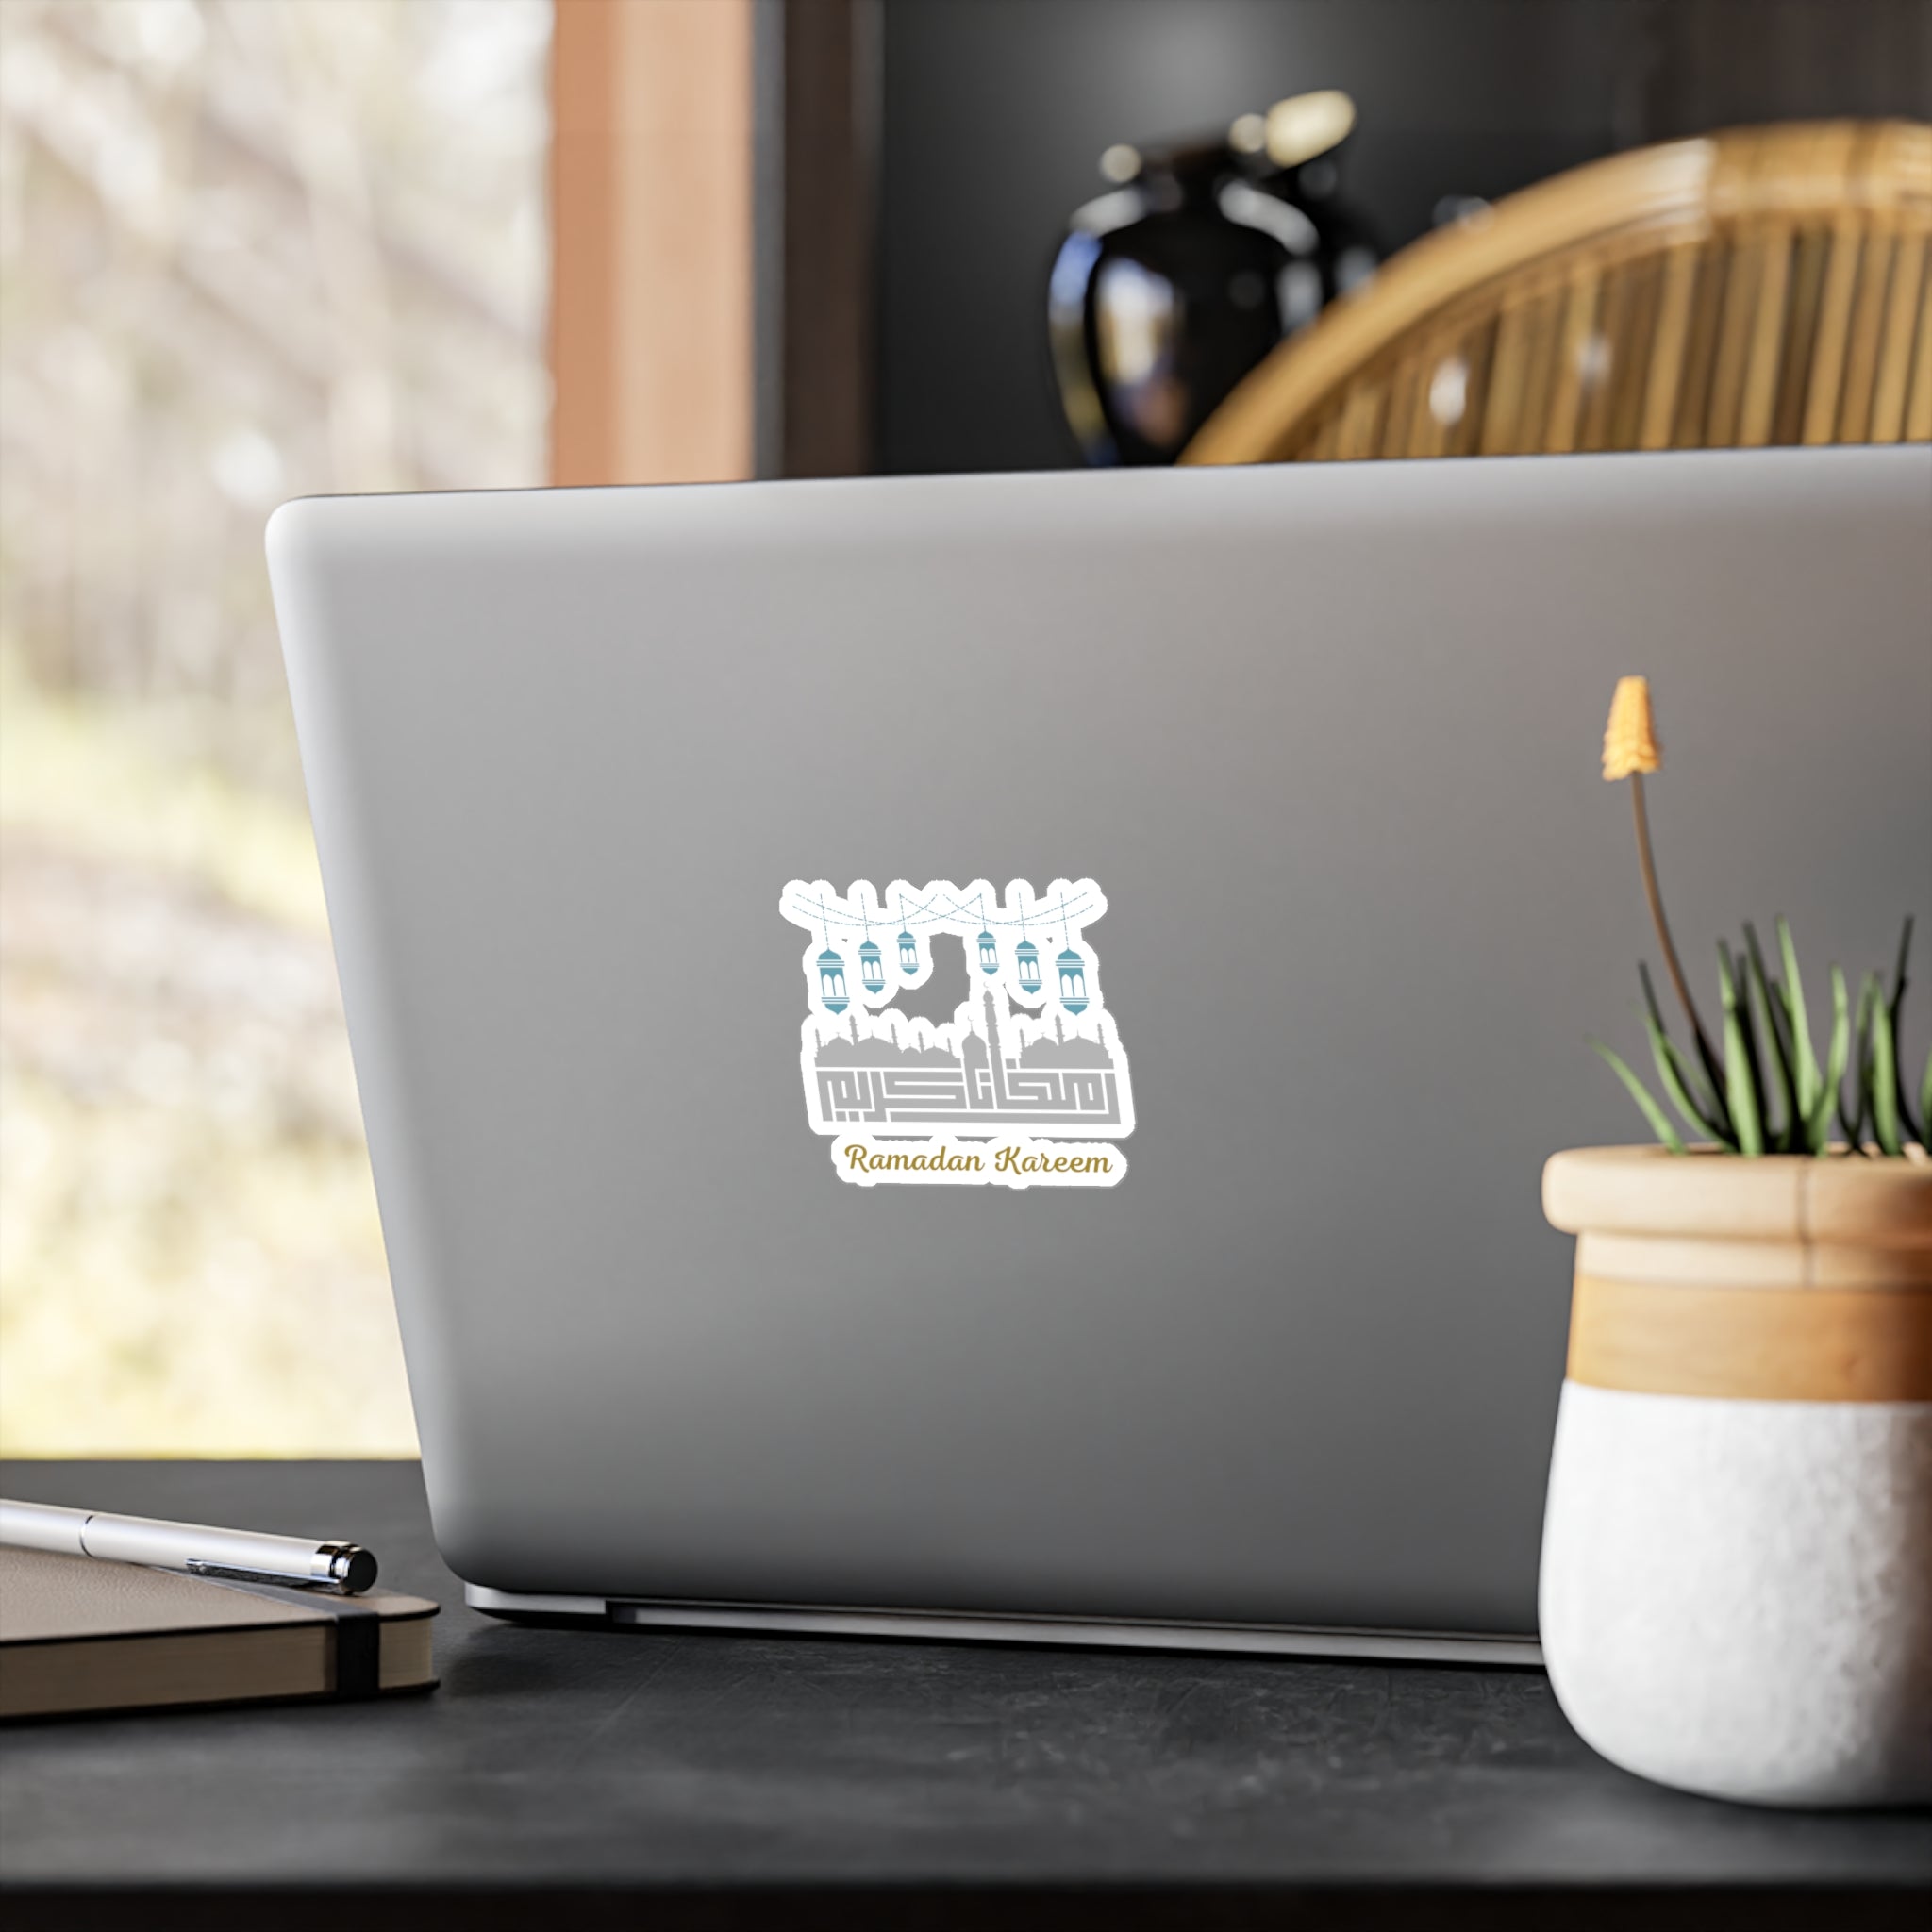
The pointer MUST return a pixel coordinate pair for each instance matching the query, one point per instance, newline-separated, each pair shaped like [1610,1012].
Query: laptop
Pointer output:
[973,1055]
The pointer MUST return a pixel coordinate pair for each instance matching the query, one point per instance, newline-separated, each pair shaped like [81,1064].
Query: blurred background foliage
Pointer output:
[247,251]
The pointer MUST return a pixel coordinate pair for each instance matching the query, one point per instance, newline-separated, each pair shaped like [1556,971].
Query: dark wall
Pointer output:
[994,112]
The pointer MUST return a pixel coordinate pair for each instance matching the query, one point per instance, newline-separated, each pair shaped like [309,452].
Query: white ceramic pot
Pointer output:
[1737,1568]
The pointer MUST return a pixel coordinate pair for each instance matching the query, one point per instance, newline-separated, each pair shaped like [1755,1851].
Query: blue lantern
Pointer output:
[870,969]
[832,981]
[989,948]
[908,953]
[1028,956]
[1073,981]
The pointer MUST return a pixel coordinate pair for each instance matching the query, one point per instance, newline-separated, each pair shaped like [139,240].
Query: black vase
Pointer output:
[1167,292]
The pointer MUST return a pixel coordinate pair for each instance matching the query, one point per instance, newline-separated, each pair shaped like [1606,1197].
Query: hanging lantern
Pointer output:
[908,953]
[1028,956]
[989,948]
[832,981]
[871,971]
[1073,981]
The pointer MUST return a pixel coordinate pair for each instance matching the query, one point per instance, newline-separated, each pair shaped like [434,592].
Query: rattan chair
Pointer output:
[1766,286]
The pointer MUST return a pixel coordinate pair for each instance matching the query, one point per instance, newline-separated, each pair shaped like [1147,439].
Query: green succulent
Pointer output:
[1765,1093]
[1768,1091]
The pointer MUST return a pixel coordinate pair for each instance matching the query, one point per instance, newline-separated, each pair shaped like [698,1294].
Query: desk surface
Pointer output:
[733,1780]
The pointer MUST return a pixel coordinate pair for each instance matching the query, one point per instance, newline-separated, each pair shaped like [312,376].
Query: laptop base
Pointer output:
[1251,1639]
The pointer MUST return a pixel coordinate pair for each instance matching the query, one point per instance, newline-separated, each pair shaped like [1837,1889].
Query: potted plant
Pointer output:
[1737,1571]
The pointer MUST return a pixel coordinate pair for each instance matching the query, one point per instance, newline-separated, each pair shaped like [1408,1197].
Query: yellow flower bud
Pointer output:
[1630,738]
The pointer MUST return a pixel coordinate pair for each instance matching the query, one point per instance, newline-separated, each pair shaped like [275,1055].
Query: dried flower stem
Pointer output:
[1648,865]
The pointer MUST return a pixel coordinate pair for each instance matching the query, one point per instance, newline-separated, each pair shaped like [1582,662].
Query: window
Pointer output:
[248,252]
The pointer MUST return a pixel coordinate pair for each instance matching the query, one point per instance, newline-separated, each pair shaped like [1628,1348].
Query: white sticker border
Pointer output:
[1054,923]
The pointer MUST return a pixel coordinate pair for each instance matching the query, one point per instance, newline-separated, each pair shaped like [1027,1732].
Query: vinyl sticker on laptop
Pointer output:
[1025,1086]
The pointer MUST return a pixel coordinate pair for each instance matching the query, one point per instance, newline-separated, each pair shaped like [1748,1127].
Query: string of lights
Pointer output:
[914,917]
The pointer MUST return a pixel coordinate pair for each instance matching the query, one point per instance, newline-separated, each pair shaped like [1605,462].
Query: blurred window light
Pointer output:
[1298,289]
[247,251]
[1137,317]
[249,468]
[1248,134]
[1241,202]
[1449,390]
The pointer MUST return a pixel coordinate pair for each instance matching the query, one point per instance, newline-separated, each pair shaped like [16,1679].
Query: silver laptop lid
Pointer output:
[1293,769]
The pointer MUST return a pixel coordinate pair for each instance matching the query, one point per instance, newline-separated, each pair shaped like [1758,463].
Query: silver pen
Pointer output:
[243,1555]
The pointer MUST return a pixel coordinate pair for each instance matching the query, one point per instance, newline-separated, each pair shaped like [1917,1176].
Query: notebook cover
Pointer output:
[73,1632]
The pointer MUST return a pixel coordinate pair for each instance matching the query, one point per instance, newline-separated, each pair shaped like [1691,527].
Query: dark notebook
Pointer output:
[77,1636]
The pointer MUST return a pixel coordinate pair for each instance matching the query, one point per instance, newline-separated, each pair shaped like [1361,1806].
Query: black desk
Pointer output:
[602,1778]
